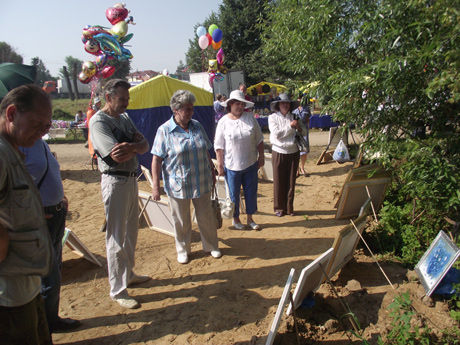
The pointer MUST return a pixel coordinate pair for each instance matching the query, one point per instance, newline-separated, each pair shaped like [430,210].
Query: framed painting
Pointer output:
[362,173]
[283,301]
[345,245]
[77,246]
[355,194]
[436,261]
[310,279]
[156,213]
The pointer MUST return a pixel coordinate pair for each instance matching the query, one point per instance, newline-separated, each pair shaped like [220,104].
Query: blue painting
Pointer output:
[436,261]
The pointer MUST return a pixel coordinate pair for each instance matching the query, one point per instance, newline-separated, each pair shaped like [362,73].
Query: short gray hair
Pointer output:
[25,98]
[180,98]
[110,88]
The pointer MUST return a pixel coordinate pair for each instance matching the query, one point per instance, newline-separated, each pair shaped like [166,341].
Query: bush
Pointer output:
[424,191]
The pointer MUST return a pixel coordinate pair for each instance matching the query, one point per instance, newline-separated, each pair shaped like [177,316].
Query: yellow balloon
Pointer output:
[89,68]
[119,29]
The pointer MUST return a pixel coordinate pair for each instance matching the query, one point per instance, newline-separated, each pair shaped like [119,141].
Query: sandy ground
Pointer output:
[231,300]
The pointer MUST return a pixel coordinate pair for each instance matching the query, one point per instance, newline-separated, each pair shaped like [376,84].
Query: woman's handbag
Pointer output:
[216,208]
[301,142]
[227,206]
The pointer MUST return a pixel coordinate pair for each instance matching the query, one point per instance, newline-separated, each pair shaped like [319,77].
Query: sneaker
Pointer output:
[182,258]
[216,253]
[238,226]
[138,279]
[127,302]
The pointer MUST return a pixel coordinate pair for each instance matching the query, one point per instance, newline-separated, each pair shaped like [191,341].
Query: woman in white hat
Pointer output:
[283,125]
[239,145]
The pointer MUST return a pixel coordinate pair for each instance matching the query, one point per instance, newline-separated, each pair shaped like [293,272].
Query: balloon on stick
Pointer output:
[201,31]
[217,35]
[216,45]
[211,28]
[203,42]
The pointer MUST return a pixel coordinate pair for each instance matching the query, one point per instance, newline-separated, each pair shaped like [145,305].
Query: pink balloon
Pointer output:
[108,71]
[203,42]
[220,56]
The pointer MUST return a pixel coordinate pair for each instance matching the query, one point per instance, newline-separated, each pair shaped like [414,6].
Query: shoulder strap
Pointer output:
[47,166]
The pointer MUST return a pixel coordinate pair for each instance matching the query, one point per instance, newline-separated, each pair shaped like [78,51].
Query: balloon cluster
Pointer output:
[213,38]
[106,44]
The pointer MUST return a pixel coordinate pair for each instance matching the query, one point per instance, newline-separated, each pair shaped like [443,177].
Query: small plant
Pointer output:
[454,304]
[306,217]
[401,331]
[298,191]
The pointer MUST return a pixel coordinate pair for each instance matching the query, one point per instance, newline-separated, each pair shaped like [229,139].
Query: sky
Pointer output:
[52,29]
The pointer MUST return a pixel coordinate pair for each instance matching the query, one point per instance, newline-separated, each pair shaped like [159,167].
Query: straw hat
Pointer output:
[237,95]
[284,98]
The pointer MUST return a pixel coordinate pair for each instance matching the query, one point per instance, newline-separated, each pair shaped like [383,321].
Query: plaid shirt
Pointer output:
[186,169]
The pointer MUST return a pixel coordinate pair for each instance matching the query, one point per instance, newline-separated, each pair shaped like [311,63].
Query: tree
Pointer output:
[390,68]
[242,22]
[122,68]
[43,74]
[8,54]
[73,69]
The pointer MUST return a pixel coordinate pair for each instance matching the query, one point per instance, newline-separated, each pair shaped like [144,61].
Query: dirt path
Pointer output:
[231,300]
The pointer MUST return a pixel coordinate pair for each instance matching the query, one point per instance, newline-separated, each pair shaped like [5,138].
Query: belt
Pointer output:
[121,173]
[53,209]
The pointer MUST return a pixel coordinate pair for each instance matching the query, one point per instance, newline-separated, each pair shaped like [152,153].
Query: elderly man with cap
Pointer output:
[25,246]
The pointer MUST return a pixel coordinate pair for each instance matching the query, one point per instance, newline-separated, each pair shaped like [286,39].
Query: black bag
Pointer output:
[301,142]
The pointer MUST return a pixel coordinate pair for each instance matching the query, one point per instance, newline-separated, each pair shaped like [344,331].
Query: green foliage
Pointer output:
[454,304]
[122,69]
[8,54]
[423,192]
[390,68]
[43,74]
[401,330]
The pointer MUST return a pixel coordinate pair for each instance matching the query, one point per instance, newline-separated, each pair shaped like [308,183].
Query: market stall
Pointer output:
[262,94]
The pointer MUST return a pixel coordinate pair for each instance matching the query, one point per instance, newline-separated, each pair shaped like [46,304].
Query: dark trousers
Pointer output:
[284,175]
[24,325]
[51,285]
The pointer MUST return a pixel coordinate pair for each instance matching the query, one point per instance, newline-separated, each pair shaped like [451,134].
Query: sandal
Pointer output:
[238,226]
[254,226]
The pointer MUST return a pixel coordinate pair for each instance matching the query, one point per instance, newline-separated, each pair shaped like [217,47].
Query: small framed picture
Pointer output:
[436,261]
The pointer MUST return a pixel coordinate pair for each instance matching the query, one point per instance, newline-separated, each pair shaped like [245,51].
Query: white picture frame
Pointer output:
[310,279]
[279,311]
[156,213]
[77,246]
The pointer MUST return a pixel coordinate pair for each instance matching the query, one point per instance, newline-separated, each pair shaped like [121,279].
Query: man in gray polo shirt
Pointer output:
[117,142]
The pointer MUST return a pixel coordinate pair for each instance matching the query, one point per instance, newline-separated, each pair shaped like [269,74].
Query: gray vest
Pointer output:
[21,213]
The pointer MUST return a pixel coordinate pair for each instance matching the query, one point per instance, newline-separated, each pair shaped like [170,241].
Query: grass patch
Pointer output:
[65,109]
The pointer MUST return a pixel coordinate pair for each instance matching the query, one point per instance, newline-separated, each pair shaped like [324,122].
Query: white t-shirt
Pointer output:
[239,139]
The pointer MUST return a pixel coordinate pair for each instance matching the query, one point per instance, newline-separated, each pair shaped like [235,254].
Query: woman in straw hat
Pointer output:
[239,145]
[283,125]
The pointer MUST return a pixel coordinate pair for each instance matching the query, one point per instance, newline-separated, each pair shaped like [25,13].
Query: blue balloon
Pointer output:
[201,31]
[217,35]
